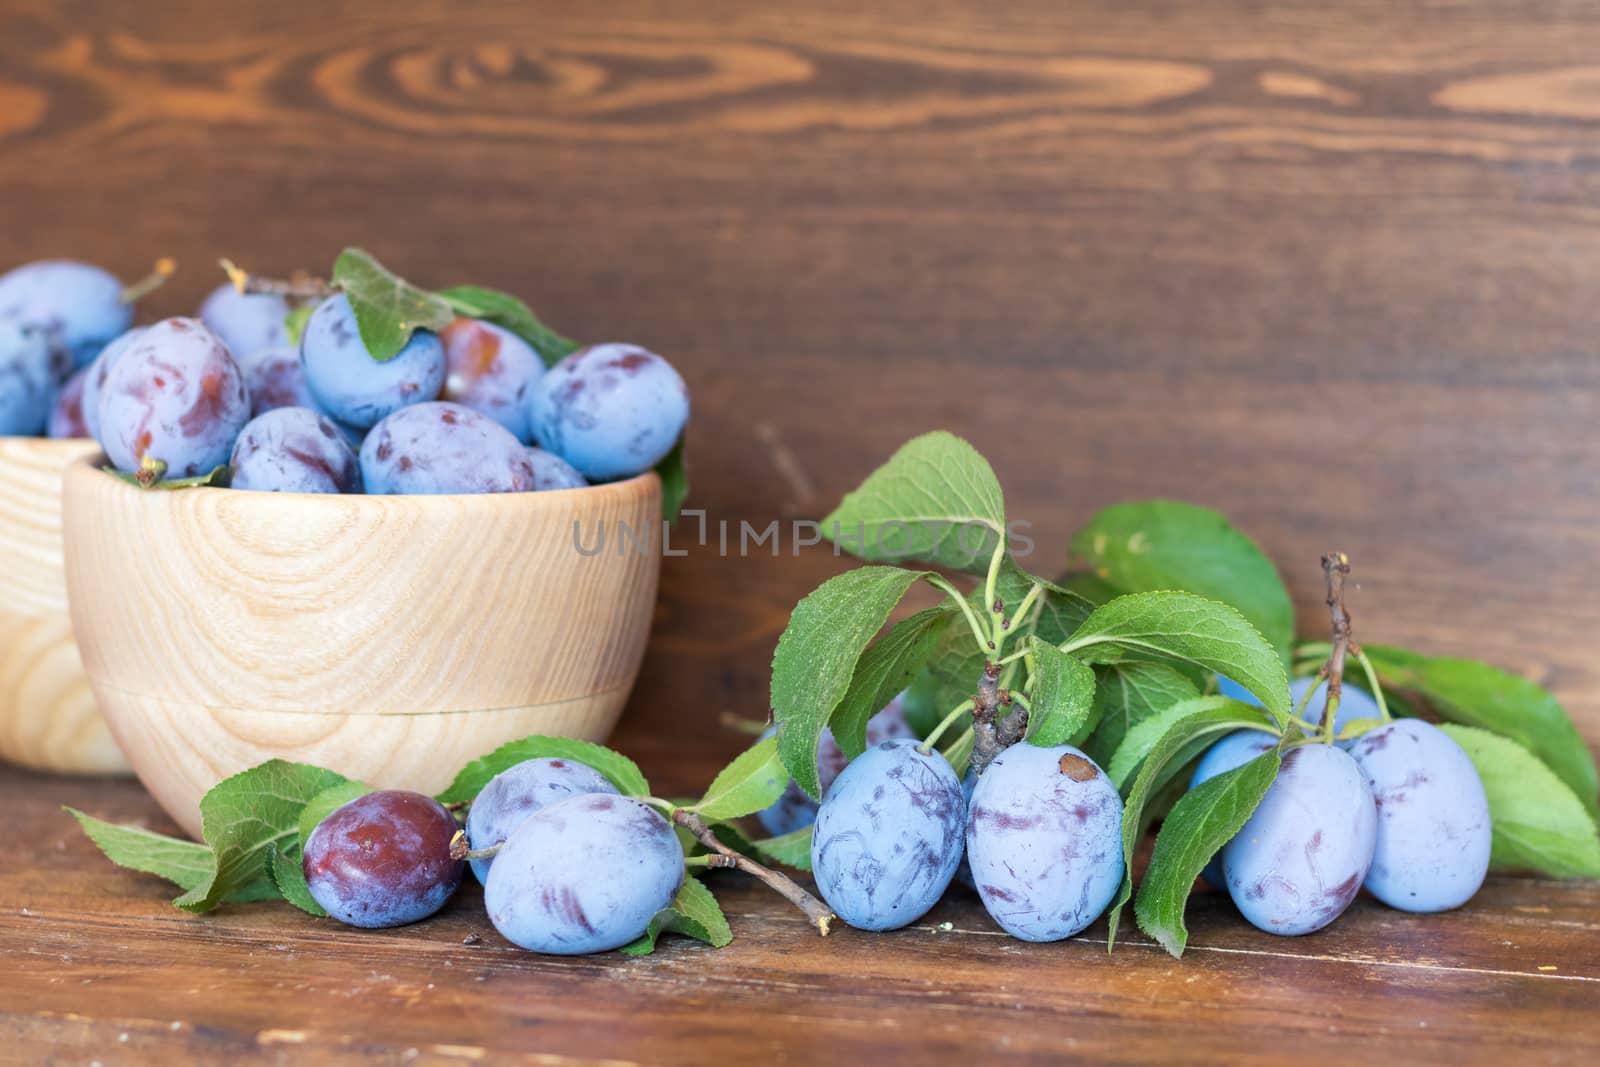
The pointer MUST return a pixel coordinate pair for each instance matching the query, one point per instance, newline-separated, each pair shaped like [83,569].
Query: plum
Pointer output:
[969,782]
[94,382]
[488,368]
[27,380]
[352,386]
[1044,838]
[78,305]
[1433,832]
[1300,859]
[611,410]
[66,414]
[439,447]
[519,791]
[888,836]
[550,471]
[294,450]
[794,810]
[383,859]
[585,874]
[246,322]
[174,395]
[1232,752]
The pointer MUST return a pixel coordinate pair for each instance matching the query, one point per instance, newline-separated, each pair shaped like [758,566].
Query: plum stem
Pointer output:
[461,848]
[815,910]
[300,286]
[164,268]
[1372,680]
[1335,569]
[984,644]
[944,724]
[740,724]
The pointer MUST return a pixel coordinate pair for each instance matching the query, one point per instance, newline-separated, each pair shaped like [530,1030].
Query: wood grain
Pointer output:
[48,717]
[392,639]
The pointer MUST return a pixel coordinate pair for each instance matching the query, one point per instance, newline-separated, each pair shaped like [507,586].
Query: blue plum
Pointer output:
[246,322]
[610,410]
[276,380]
[78,305]
[66,414]
[969,782]
[1433,817]
[383,859]
[585,874]
[1044,838]
[27,380]
[517,792]
[174,395]
[1230,753]
[794,809]
[294,450]
[550,471]
[1299,860]
[352,386]
[888,836]
[1353,703]
[95,381]
[439,447]
[488,369]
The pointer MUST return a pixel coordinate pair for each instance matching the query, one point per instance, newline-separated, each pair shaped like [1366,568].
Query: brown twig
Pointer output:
[1336,568]
[815,910]
[986,742]
[299,286]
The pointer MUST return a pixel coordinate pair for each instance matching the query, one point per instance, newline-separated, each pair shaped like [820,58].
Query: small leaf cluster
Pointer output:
[256,823]
[1120,656]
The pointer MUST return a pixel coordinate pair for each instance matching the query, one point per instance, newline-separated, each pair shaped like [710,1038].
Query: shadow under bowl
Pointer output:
[392,639]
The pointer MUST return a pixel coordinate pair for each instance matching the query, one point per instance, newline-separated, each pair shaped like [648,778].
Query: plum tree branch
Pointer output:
[1335,569]
[815,910]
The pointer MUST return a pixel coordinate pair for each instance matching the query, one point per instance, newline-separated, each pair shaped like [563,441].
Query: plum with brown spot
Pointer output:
[1044,841]
[383,859]
[611,410]
[1299,860]
[173,396]
[489,369]
[443,448]
[585,874]
[294,450]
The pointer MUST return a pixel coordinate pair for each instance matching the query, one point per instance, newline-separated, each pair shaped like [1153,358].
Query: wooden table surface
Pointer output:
[1331,268]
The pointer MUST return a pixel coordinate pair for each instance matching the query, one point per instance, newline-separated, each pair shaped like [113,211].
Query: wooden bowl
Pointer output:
[48,718]
[390,638]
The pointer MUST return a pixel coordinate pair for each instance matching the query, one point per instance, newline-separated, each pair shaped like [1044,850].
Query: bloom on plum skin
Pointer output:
[383,859]
[610,410]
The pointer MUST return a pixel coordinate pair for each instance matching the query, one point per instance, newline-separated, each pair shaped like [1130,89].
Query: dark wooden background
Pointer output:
[1332,268]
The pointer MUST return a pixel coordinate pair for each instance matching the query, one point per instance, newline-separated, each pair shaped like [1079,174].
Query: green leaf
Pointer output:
[216,478]
[817,656]
[388,308]
[243,816]
[505,310]
[618,769]
[1062,695]
[754,780]
[1128,693]
[1138,742]
[792,849]
[1184,740]
[884,670]
[694,912]
[323,804]
[1149,545]
[935,500]
[1188,628]
[674,474]
[294,323]
[1200,823]
[1538,821]
[1477,694]
[186,864]
[289,876]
